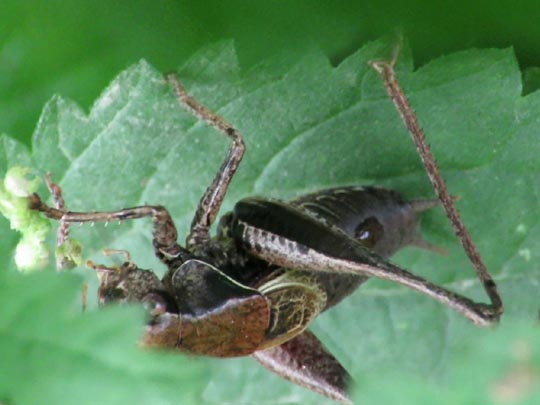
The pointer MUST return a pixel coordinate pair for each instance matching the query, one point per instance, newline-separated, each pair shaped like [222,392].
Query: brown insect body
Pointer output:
[274,266]
[271,305]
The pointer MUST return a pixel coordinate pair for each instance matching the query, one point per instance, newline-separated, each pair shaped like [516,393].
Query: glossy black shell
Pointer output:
[393,221]
[349,207]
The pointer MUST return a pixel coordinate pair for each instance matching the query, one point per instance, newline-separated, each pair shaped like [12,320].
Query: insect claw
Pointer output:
[102,269]
[125,253]
[380,65]
[98,267]
[398,46]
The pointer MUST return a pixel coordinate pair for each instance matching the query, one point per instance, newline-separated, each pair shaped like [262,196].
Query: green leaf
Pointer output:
[94,40]
[52,354]
[493,366]
[309,125]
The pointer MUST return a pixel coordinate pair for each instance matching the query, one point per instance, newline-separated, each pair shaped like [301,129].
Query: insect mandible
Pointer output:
[274,266]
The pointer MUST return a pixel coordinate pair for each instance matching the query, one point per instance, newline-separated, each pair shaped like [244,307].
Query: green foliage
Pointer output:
[51,354]
[492,366]
[75,47]
[307,125]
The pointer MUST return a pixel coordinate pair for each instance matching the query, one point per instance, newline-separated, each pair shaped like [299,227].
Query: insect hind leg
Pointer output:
[385,69]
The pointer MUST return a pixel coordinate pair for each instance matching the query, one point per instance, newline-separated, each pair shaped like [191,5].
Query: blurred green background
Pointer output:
[76,47]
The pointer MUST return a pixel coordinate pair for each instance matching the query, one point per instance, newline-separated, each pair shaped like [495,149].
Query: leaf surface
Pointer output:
[307,125]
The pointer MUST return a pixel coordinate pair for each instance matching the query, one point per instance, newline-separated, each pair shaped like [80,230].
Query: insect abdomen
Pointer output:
[358,211]
[378,218]
[326,222]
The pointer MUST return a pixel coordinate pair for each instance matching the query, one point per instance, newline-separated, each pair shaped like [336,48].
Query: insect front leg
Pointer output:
[65,248]
[59,203]
[64,245]
[210,202]
[163,230]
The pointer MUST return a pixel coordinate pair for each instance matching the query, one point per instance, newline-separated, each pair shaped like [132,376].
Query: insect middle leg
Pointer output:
[164,231]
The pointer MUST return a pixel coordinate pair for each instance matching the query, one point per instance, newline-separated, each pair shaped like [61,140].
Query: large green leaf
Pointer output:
[307,125]
[75,47]
[51,354]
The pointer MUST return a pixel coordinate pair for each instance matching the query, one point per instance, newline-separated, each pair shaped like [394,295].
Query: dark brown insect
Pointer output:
[273,267]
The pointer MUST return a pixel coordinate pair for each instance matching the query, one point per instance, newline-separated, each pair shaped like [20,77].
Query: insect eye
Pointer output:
[369,232]
[155,304]
[109,295]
